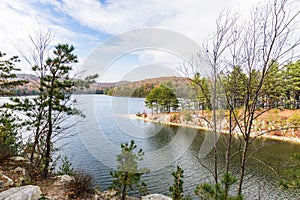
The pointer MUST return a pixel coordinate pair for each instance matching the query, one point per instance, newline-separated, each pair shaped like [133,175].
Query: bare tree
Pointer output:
[253,46]
[267,38]
[35,57]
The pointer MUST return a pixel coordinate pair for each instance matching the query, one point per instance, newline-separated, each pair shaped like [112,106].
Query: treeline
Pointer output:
[280,87]
[142,88]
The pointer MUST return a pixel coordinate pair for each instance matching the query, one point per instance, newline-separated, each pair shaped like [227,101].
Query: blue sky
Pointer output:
[87,24]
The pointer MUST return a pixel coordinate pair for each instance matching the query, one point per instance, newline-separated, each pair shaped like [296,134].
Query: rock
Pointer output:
[156,197]
[66,178]
[63,179]
[23,176]
[5,181]
[20,170]
[18,159]
[28,192]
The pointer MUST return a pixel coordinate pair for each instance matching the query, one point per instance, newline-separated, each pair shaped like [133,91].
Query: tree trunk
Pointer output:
[228,148]
[50,130]
[243,166]
[124,187]
[36,140]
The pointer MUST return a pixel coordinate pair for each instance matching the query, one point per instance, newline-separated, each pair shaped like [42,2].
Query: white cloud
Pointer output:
[20,19]
[192,18]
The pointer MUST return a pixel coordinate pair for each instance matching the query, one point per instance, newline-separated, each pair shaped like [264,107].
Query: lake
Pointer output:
[109,123]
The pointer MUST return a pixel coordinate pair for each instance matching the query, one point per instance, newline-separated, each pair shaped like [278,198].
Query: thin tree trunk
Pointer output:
[50,130]
[243,166]
[36,140]
[124,187]
[226,188]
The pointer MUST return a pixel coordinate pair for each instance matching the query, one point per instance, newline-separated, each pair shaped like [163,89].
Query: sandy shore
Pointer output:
[265,136]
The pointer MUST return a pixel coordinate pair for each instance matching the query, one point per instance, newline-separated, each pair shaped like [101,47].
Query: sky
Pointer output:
[88,24]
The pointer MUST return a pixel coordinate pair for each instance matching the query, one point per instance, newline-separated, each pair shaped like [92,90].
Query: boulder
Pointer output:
[28,192]
[156,197]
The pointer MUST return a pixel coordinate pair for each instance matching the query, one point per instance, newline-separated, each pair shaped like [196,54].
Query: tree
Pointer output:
[273,89]
[57,90]
[293,84]
[234,84]
[8,79]
[9,137]
[10,141]
[201,85]
[177,188]
[45,115]
[163,98]
[128,174]
[259,46]
[208,191]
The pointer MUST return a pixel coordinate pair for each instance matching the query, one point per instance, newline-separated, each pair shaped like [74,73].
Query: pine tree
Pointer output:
[273,89]
[57,88]
[128,174]
[9,138]
[162,98]
[177,188]
[8,79]
[293,84]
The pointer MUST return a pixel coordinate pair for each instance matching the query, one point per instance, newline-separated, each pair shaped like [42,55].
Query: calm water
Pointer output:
[107,125]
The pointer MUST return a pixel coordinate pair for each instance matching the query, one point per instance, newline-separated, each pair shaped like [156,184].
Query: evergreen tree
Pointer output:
[235,86]
[128,174]
[273,89]
[162,98]
[177,188]
[9,128]
[8,79]
[293,84]
[57,88]
[201,84]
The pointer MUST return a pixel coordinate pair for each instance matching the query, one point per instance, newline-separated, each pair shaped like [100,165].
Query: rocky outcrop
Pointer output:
[156,197]
[28,192]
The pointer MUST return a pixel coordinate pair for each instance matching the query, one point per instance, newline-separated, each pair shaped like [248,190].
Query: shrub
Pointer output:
[294,120]
[5,153]
[208,191]
[128,174]
[66,167]
[9,139]
[177,188]
[82,185]
[187,116]
[290,175]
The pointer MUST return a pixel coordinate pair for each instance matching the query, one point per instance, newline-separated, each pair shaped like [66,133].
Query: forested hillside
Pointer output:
[180,85]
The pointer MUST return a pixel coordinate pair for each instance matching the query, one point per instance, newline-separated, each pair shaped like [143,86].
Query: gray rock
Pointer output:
[6,183]
[20,170]
[66,178]
[63,179]
[156,197]
[28,192]
[18,158]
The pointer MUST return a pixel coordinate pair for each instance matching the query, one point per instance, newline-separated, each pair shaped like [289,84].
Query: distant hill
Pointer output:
[141,88]
[31,88]
[180,85]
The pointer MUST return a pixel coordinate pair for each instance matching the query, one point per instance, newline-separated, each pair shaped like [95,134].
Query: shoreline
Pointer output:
[264,136]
